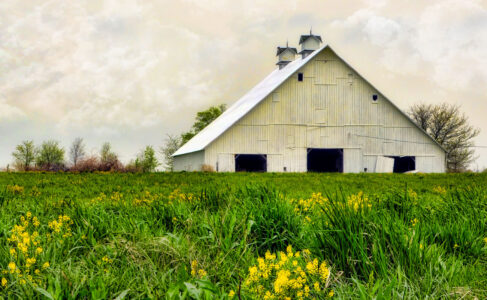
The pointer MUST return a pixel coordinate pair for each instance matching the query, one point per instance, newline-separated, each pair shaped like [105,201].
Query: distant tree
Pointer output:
[107,156]
[451,129]
[24,155]
[109,159]
[77,151]
[147,160]
[203,119]
[171,145]
[50,156]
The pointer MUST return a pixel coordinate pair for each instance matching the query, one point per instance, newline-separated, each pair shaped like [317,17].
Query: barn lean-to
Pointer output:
[313,113]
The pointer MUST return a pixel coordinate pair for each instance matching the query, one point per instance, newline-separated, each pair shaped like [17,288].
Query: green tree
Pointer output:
[203,119]
[147,160]
[24,155]
[50,155]
[451,129]
[107,156]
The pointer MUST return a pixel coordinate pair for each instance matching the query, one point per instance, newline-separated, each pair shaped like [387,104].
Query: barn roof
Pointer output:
[252,99]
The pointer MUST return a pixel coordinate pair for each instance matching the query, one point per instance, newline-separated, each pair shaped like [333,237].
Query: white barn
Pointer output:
[313,113]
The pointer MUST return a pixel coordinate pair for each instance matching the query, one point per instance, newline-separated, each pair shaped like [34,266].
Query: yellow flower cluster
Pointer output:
[412,195]
[305,207]
[61,227]
[145,199]
[288,275]
[15,189]
[439,190]
[358,201]
[197,272]
[317,203]
[104,263]
[35,192]
[115,198]
[414,222]
[178,196]
[27,245]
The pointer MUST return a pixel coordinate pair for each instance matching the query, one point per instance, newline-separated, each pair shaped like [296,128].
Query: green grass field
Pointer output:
[253,236]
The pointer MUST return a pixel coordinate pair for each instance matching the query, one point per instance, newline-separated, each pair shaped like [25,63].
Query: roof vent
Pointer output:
[286,55]
[309,43]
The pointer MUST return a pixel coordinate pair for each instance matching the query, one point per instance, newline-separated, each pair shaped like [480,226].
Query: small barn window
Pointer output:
[300,76]
[375,98]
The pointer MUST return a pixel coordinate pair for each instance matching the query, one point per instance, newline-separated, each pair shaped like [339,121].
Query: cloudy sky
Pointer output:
[131,72]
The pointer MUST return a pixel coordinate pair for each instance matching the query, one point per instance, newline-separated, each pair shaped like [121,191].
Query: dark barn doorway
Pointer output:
[250,163]
[325,160]
[404,163]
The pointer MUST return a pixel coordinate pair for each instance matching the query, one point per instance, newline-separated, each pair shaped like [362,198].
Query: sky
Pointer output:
[132,72]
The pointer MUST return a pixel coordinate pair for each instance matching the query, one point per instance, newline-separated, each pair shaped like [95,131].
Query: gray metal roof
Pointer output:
[305,37]
[252,99]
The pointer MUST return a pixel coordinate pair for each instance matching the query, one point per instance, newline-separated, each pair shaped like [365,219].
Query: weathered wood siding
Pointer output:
[331,108]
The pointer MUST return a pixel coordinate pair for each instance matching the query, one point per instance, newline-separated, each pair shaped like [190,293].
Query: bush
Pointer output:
[207,168]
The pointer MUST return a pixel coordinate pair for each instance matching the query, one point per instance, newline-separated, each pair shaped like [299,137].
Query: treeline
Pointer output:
[50,156]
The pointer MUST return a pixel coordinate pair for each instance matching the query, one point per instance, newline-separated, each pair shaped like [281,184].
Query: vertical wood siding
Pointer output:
[331,108]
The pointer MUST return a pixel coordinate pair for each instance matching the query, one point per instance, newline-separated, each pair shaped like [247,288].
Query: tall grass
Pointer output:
[137,235]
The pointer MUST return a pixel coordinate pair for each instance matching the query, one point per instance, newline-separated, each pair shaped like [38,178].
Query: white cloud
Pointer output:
[446,41]
[9,112]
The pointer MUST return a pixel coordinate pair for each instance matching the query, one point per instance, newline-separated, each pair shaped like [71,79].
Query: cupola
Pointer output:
[309,43]
[285,55]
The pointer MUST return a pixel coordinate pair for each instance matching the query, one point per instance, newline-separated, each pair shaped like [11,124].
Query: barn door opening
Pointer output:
[325,160]
[251,163]
[404,163]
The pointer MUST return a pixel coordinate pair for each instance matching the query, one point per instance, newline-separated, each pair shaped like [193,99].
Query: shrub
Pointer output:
[207,168]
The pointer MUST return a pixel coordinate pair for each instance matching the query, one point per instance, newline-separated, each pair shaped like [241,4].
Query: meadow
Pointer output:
[243,236]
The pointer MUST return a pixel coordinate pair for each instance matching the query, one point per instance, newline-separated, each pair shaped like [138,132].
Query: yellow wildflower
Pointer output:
[194,264]
[316,286]
[37,272]
[30,262]
[38,250]
[331,293]
[12,267]
[4,282]
[231,294]
[45,265]
[202,273]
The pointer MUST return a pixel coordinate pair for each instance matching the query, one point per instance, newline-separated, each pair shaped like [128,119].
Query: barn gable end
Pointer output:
[333,107]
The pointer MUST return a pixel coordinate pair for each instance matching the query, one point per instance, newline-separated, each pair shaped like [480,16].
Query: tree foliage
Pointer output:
[50,156]
[147,160]
[451,129]
[203,119]
[77,151]
[107,155]
[24,155]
